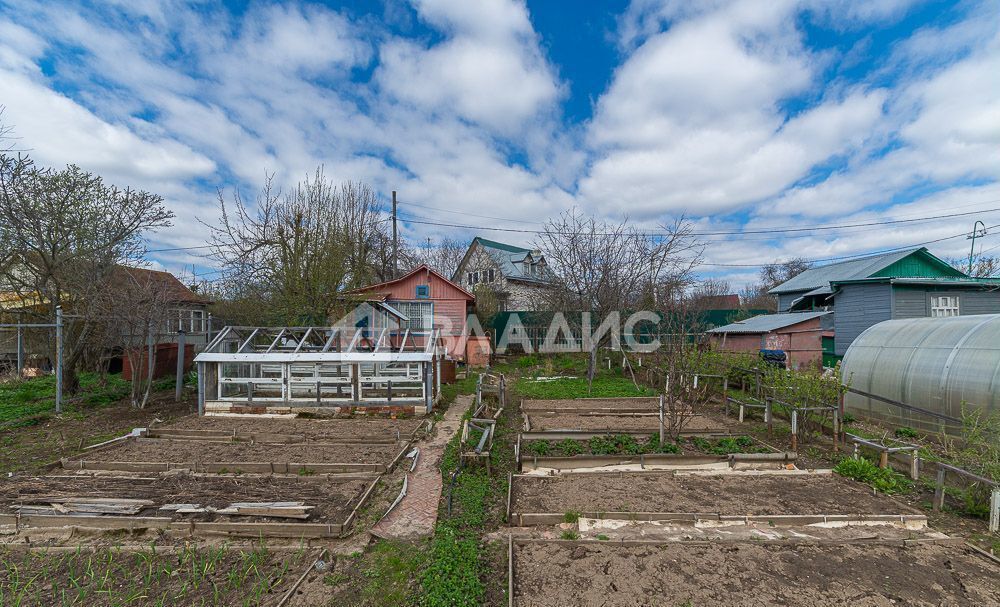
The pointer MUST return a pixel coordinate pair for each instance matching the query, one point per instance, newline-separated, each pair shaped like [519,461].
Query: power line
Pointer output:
[427,221]
[845,257]
[777,228]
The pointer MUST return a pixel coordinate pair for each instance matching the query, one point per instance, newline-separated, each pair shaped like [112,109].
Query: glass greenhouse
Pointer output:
[933,366]
[297,369]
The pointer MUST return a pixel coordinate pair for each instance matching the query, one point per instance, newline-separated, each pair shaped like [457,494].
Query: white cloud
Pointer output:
[693,120]
[716,107]
[489,70]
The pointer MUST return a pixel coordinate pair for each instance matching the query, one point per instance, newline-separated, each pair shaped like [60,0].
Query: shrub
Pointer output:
[885,480]
[572,516]
[849,418]
[570,535]
[906,432]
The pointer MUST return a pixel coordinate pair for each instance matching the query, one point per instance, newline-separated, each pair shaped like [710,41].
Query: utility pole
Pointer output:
[395,237]
[972,249]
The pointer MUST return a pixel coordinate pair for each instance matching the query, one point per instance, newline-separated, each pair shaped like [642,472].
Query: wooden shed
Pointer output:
[798,334]
[427,300]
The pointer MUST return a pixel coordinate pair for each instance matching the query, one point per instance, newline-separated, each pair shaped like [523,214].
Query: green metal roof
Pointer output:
[908,263]
[501,246]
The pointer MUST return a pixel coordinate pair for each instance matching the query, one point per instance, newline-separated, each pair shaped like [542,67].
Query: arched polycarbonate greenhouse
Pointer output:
[932,365]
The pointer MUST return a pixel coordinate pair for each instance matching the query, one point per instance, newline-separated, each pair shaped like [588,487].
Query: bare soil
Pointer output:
[752,574]
[179,451]
[311,429]
[612,423]
[728,495]
[332,499]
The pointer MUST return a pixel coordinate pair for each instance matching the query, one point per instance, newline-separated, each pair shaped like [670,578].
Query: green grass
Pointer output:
[885,480]
[452,575]
[388,570]
[576,387]
[22,400]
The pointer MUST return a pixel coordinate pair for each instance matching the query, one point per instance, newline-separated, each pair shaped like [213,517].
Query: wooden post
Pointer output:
[836,430]
[769,415]
[661,419]
[914,465]
[179,379]
[883,458]
[995,510]
[939,490]
[725,393]
[741,413]
[795,429]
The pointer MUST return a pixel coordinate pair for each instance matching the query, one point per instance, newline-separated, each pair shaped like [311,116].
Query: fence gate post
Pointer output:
[59,359]
[20,351]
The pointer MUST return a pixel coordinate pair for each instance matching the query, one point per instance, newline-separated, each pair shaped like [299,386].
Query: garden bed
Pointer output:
[751,574]
[219,576]
[310,429]
[628,444]
[735,494]
[330,500]
[157,455]
[614,422]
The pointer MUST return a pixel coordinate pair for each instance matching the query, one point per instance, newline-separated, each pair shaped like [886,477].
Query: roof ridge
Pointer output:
[500,245]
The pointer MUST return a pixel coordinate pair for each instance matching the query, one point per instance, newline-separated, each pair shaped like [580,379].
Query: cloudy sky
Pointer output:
[750,117]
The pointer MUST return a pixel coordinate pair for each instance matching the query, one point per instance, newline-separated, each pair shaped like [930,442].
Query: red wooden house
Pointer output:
[427,300]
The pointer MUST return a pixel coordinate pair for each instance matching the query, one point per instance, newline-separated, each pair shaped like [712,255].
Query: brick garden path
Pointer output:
[416,515]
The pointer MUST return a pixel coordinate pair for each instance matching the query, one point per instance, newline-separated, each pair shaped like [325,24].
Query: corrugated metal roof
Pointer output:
[852,269]
[768,322]
[510,259]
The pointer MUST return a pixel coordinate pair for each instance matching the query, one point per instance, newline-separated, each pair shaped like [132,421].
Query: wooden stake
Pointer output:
[939,490]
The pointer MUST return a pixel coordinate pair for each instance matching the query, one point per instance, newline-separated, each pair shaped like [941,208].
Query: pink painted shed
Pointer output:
[429,301]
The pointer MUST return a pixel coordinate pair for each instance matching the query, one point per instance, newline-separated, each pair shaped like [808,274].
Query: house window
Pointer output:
[423,291]
[492,275]
[944,305]
[190,321]
[469,277]
[420,313]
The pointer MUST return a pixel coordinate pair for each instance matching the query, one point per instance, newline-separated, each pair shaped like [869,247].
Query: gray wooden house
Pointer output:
[519,276]
[911,283]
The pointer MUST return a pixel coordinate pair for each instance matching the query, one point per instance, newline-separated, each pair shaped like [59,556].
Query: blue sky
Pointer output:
[746,117]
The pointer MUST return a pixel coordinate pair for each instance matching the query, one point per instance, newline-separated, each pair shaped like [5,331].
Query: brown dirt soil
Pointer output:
[179,451]
[333,499]
[726,495]
[312,429]
[30,448]
[613,423]
[752,574]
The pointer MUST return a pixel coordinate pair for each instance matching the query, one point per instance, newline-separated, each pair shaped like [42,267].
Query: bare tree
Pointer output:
[444,255]
[603,267]
[771,275]
[135,310]
[62,233]
[300,250]
[983,266]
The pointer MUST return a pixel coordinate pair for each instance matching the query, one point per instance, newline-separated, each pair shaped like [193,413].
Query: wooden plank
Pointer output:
[346,526]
